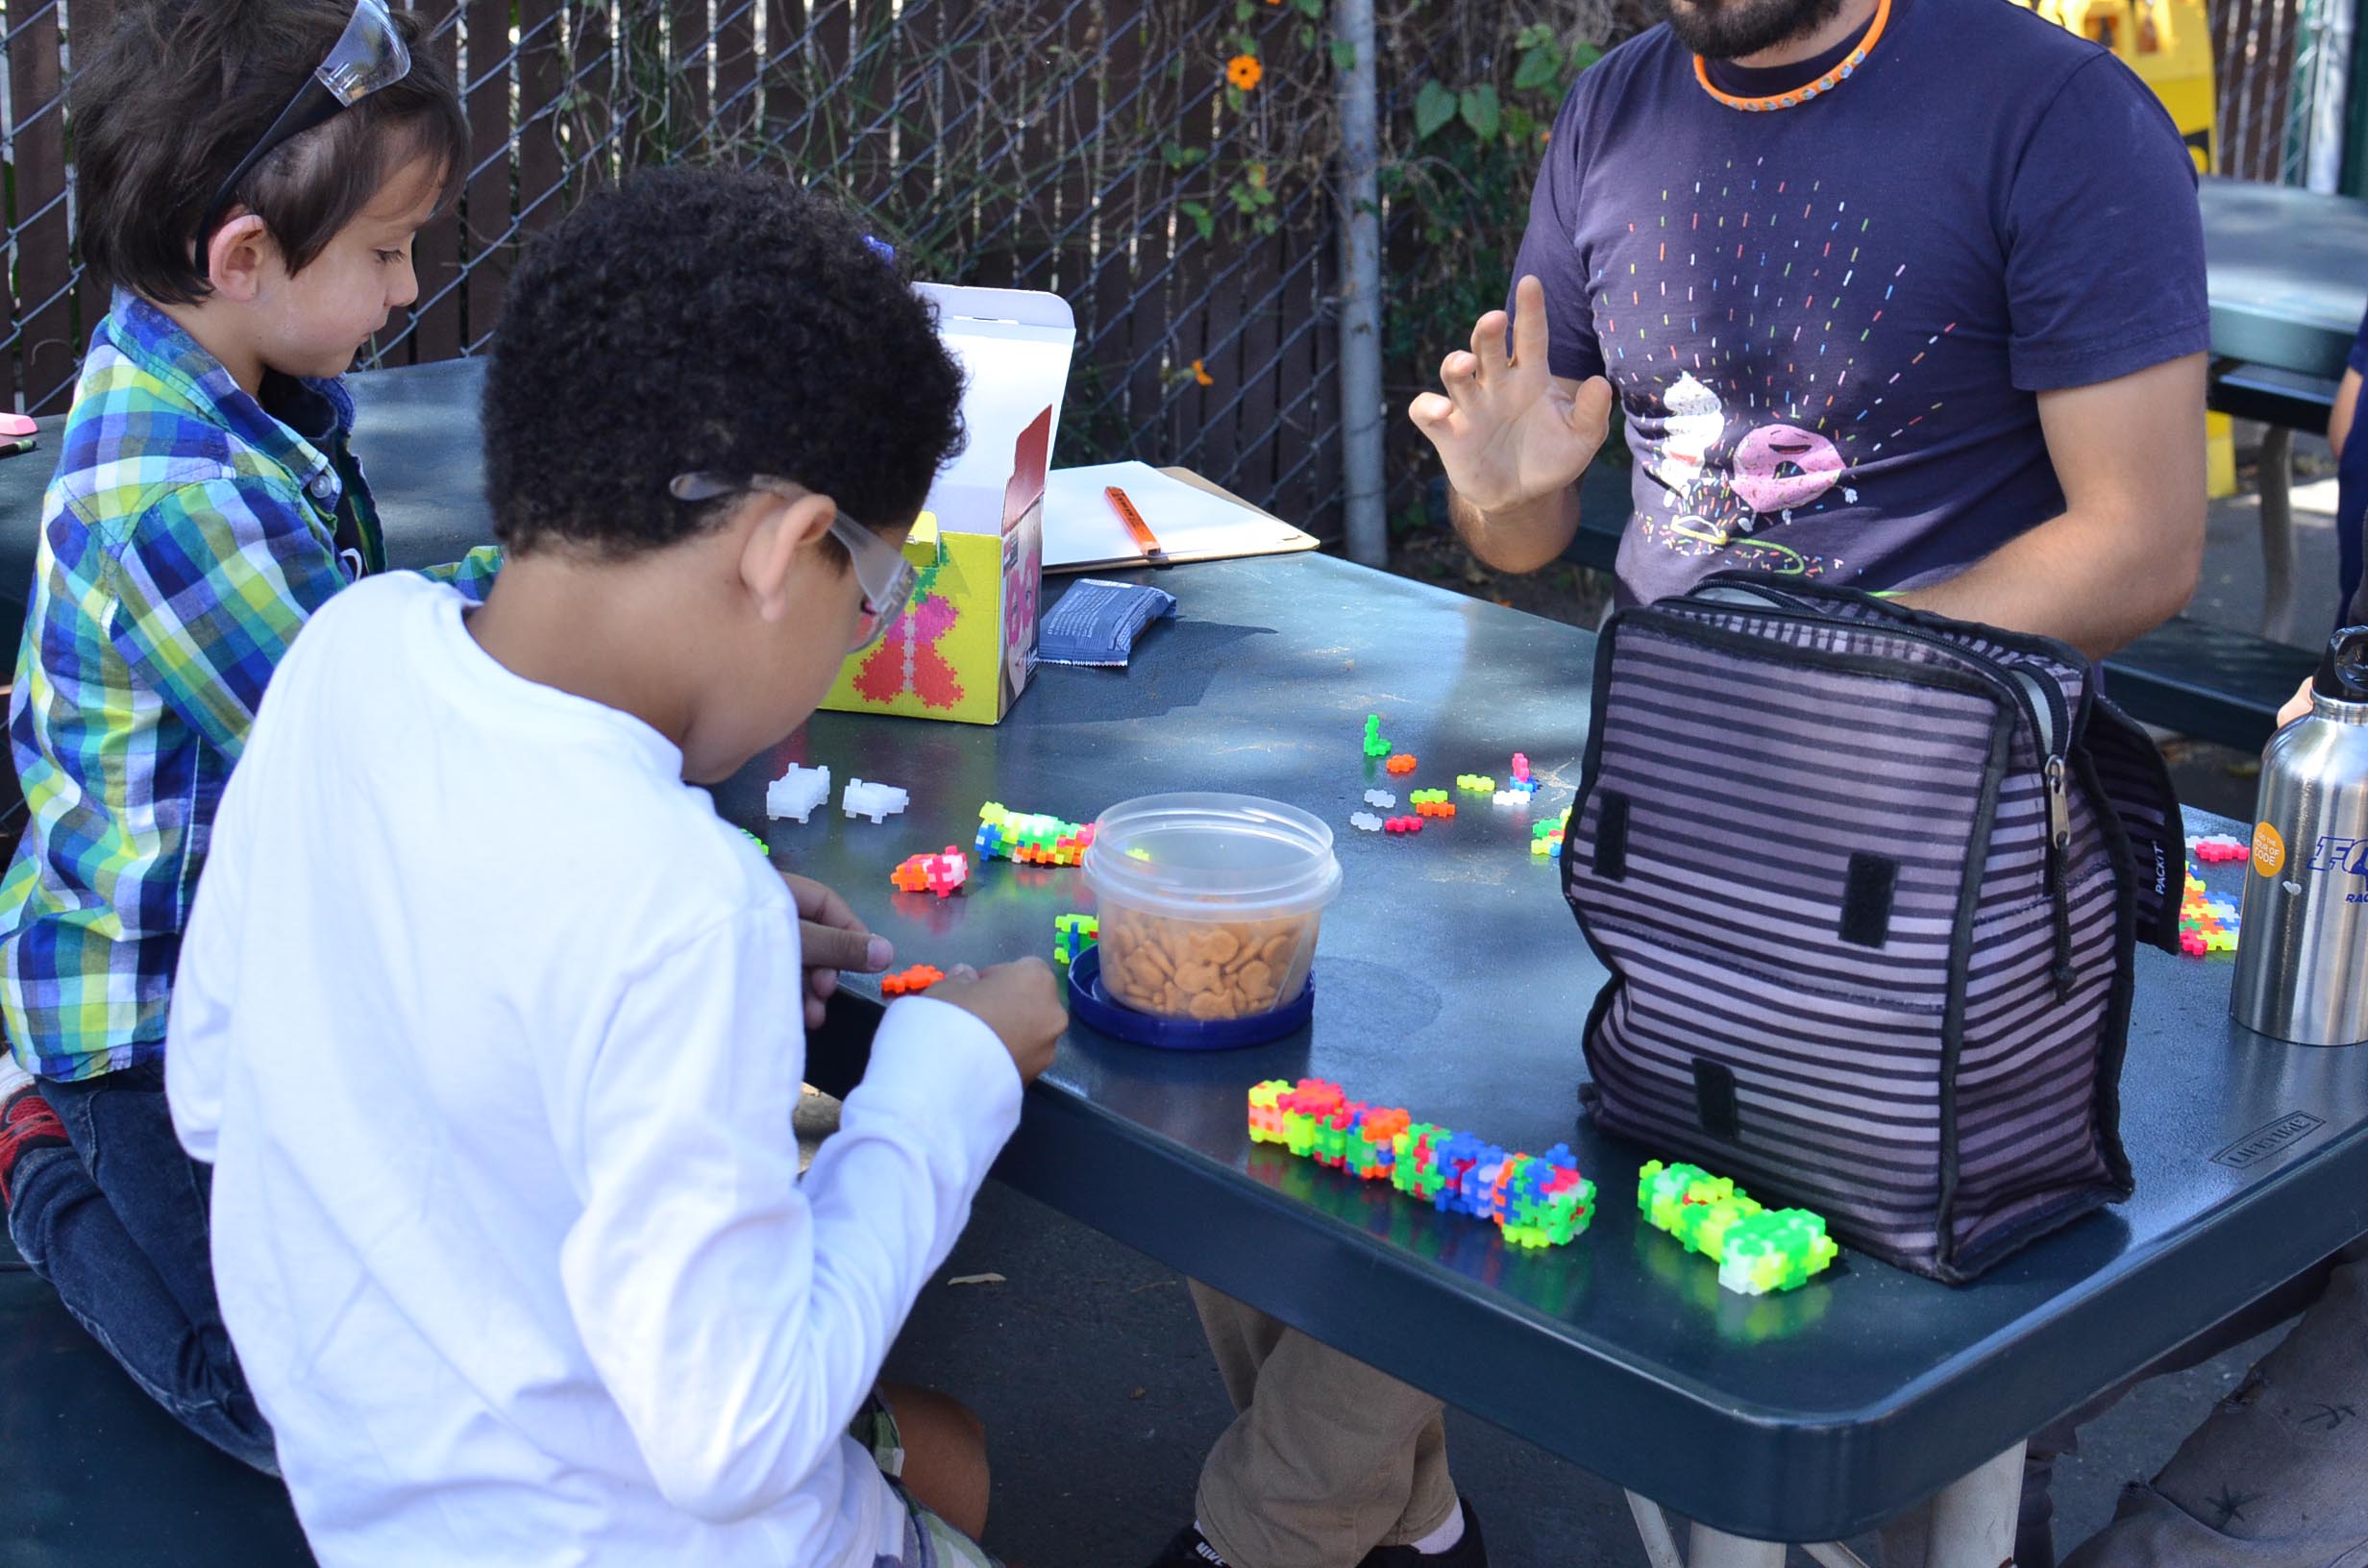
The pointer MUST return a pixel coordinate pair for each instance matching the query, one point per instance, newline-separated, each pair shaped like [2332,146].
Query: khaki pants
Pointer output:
[1327,1457]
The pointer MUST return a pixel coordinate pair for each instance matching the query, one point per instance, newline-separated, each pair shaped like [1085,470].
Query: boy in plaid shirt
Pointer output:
[206,504]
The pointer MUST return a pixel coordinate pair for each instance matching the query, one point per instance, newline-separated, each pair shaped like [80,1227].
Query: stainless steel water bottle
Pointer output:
[2302,952]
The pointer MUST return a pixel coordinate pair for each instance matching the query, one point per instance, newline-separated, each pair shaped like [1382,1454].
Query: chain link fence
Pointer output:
[1162,164]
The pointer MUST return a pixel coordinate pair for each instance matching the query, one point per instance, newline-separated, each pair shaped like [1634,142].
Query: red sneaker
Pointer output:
[26,1123]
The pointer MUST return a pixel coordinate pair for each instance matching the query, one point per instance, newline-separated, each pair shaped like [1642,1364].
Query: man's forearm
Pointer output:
[2094,583]
[1519,538]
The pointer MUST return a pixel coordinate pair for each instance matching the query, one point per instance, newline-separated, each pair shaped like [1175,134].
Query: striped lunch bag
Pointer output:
[1868,883]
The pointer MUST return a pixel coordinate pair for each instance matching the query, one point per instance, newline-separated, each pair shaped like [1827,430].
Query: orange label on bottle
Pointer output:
[2268,849]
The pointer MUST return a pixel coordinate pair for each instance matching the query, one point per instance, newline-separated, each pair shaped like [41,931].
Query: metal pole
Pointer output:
[1360,294]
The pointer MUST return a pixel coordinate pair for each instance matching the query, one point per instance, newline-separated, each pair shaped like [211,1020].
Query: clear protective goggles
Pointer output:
[367,56]
[881,570]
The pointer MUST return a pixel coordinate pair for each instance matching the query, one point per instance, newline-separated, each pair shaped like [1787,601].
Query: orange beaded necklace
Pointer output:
[1800,95]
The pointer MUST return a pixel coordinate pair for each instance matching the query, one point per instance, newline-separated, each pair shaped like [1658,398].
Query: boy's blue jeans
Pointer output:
[118,1225]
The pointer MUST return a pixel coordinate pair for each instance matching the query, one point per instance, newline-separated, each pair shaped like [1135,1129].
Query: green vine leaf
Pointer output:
[1203,220]
[1538,68]
[1481,112]
[1433,107]
[1312,9]
[1344,55]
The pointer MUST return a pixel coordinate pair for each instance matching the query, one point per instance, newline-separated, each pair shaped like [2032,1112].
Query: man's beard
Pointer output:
[1733,29]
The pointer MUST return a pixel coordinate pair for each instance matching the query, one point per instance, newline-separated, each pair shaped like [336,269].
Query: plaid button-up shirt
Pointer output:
[186,538]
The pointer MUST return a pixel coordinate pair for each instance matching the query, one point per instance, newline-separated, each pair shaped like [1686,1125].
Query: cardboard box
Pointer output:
[965,644]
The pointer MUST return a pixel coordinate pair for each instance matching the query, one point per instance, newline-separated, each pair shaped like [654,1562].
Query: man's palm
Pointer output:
[1508,430]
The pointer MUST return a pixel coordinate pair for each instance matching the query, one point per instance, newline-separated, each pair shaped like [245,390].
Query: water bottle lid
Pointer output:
[2343,670]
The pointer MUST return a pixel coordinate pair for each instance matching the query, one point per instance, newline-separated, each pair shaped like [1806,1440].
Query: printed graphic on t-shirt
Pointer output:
[1745,342]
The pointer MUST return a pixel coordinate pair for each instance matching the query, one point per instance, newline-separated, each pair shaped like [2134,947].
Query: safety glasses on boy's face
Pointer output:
[367,56]
[881,570]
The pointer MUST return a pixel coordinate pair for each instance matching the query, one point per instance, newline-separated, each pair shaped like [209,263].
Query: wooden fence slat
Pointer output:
[46,348]
[487,211]
[735,70]
[88,23]
[437,254]
[542,79]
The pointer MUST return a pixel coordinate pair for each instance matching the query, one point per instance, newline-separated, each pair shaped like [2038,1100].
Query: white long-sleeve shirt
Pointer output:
[492,1030]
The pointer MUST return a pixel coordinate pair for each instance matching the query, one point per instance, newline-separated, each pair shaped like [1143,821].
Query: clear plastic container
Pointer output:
[1209,903]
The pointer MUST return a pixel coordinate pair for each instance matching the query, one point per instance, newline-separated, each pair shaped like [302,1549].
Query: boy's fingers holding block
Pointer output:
[1021,1001]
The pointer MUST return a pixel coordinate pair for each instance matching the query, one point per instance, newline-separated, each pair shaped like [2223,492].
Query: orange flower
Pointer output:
[1201,376]
[1244,71]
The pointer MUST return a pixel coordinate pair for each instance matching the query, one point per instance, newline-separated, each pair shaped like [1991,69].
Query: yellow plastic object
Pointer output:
[2168,44]
[2219,458]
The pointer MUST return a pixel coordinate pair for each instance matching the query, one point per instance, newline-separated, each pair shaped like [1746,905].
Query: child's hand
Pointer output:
[832,939]
[1020,1001]
[2297,706]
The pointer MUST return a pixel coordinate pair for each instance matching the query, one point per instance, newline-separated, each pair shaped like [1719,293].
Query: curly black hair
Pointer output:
[708,319]
[176,93]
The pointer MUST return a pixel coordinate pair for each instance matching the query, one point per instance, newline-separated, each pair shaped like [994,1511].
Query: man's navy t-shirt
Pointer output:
[1827,324]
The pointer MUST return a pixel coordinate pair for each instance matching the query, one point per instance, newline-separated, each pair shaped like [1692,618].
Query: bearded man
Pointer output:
[1901,293]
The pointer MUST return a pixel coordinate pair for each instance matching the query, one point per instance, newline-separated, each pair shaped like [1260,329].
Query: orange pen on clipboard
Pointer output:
[1145,539]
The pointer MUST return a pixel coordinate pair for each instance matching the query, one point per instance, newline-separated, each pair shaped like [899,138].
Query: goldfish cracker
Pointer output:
[1205,970]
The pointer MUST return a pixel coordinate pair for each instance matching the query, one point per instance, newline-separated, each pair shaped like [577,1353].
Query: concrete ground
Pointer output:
[1083,1357]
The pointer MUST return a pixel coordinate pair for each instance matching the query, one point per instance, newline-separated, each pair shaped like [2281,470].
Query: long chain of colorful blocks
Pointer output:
[1029,838]
[1536,1200]
[1757,1249]
[1072,935]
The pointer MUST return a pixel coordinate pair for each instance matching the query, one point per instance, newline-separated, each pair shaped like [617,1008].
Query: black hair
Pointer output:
[700,319]
[181,91]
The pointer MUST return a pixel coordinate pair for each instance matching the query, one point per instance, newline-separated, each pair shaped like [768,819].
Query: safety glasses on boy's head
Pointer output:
[881,570]
[367,56]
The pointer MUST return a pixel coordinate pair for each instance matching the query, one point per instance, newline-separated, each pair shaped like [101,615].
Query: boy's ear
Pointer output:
[770,554]
[235,256]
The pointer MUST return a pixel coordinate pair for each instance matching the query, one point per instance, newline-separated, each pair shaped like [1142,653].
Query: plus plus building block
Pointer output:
[2219,848]
[1402,763]
[1757,1249]
[1475,783]
[1404,824]
[1374,745]
[1364,822]
[1072,935]
[1031,839]
[797,792]
[1512,797]
[877,801]
[910,982]
[1536,1200]
[944,874]
[1382,798]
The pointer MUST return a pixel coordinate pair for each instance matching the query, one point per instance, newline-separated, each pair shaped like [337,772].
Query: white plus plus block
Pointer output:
[1380,797]
[874,800]
[1512,797]
[1366,820]
[797,792]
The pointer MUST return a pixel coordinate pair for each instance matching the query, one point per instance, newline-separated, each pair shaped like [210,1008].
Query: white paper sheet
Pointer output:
[1081,529]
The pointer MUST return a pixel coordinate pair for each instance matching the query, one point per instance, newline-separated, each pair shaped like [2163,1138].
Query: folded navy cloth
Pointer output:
[1097,622]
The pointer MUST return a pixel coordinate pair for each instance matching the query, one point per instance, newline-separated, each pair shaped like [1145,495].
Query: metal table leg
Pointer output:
[1969,1525]
[2277,533]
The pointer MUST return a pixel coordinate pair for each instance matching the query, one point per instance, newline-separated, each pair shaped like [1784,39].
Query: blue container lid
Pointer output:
[1091,1005]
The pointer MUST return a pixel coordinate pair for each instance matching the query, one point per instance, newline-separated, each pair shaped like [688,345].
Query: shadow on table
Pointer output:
[93,1474]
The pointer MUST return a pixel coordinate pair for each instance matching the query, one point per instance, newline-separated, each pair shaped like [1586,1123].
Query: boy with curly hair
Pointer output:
[251,174]
[498,1089]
